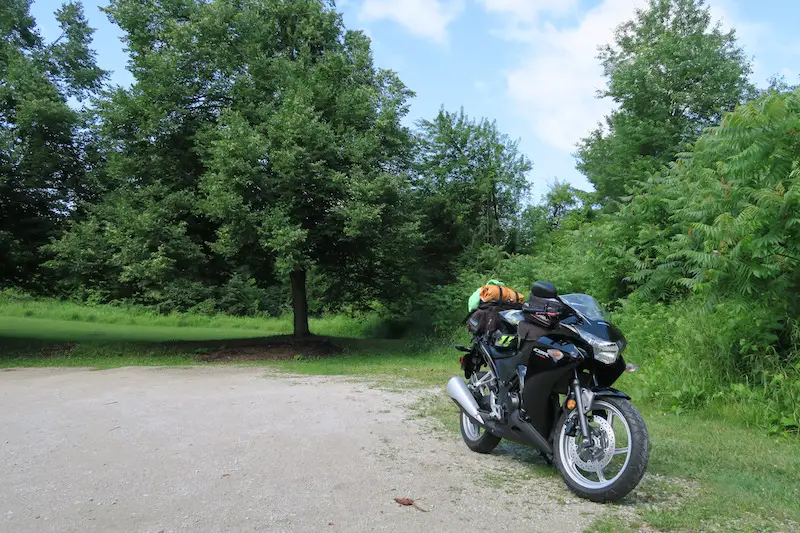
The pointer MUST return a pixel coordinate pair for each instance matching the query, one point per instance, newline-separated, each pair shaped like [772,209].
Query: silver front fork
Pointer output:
[577,391]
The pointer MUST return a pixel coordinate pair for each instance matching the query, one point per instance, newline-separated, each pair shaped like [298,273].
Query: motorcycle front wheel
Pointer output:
[615,463]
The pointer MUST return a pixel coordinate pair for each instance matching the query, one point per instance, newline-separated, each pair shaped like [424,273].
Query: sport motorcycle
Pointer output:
[541,374]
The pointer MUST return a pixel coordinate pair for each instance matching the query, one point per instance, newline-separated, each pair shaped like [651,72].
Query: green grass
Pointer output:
[706,472]
[16,307]
[61,330]
[747,480]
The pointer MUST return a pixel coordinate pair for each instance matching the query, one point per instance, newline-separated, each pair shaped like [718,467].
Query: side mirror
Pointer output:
[544,289]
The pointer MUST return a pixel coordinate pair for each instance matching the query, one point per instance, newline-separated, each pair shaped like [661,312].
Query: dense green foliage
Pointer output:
[733,221]
[470,183]
[259,164]
[264,137]
[45,152]
[672,73]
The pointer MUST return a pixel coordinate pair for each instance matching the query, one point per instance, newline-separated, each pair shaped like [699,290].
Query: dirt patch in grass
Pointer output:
[26,348]
[275,349]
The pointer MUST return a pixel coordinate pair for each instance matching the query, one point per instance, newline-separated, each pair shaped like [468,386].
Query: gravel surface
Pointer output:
[212,449]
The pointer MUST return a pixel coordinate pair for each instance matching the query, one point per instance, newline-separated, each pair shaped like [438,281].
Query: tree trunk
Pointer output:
[299,303]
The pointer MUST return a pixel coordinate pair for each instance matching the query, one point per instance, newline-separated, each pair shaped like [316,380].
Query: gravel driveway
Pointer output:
[211,449]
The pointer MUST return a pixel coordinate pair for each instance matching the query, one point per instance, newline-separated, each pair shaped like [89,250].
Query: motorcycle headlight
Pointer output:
[605,351]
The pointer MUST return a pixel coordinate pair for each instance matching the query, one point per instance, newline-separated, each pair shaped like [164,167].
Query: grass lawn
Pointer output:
[83,319]
[705,473]
[62,330]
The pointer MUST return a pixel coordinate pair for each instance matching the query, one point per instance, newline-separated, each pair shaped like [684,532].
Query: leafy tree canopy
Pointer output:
[470,182]
[43,152]
[671,73]
[563,207]
[263,136]
[734,228]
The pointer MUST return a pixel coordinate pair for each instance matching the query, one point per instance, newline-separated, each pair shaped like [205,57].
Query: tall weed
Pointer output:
[694,358]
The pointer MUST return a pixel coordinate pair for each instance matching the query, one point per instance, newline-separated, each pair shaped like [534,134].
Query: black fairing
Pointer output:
[598,328]
[506,367]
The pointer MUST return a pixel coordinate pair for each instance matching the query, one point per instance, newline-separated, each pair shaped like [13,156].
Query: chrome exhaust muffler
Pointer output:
[460,394]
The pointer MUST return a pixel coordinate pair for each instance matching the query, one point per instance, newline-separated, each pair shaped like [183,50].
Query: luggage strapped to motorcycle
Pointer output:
[518,298]
[488,316]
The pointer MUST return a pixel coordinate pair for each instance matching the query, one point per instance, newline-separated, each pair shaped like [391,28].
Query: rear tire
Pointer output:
[476,437]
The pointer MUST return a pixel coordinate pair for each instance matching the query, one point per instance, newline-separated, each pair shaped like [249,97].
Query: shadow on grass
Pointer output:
[102,353]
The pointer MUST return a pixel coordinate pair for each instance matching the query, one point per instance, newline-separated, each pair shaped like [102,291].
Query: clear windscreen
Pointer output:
[586,305]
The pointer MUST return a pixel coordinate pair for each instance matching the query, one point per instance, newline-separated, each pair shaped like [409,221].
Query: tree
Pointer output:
[470,183]
[259,141]
[672,74]
[43,146]
[563,207]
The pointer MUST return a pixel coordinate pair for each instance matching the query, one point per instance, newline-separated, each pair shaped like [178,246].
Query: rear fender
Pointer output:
[471,362]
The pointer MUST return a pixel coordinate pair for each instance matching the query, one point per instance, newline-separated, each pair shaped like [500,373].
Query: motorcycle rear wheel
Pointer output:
[475,436]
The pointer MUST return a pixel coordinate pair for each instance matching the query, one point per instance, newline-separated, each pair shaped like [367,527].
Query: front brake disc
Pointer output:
[602,451]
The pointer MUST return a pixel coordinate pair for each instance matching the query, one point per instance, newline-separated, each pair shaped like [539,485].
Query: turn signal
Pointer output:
[460,360]
[555,354]
[571,404]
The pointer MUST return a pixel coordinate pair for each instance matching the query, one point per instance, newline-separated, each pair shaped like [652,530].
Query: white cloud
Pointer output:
[425,18]
[555,85]
[528,9]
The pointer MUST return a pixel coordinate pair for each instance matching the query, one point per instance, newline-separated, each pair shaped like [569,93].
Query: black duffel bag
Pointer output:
[486,318]
[544,312]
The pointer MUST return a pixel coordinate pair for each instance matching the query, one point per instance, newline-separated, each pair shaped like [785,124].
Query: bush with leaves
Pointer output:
[730,227]
[691,357]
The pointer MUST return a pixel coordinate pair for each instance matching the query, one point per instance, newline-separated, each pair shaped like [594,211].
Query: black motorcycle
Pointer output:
[540,374]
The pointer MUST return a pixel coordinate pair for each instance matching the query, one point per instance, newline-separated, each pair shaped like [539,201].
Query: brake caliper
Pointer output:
[571,427]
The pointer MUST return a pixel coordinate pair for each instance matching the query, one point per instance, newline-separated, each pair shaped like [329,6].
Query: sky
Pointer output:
[528,64]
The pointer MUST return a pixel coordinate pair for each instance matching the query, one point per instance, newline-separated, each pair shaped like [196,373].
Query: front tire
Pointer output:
[593,474]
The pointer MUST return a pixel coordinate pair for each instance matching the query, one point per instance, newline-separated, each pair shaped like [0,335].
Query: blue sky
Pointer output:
[529,64]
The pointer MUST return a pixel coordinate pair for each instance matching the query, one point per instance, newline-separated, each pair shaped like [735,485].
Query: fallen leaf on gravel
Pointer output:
[409,502]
